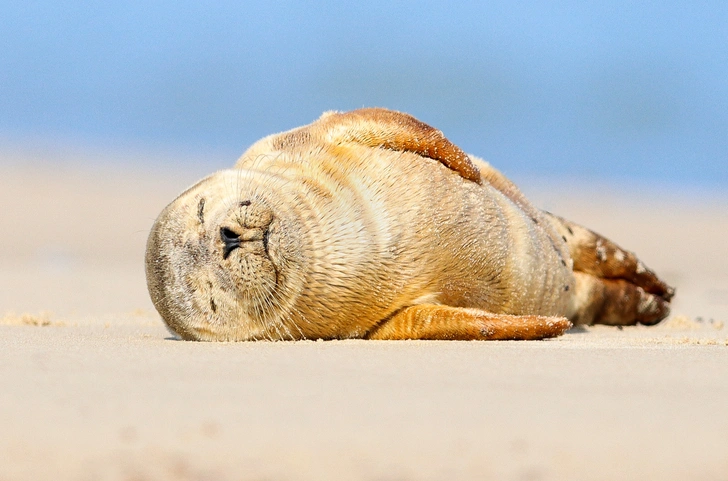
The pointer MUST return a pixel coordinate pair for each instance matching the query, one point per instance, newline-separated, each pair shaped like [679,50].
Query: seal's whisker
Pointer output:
[261,300]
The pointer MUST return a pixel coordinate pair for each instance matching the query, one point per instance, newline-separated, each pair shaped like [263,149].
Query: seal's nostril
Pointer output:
[231,240]
[229,235]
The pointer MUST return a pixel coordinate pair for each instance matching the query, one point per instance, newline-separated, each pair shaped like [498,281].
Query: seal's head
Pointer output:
[223,259]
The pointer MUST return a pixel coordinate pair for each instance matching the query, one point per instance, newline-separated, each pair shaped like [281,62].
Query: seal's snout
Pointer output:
[246,226]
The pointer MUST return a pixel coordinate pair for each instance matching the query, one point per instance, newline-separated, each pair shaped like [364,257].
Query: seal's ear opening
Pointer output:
[388,129]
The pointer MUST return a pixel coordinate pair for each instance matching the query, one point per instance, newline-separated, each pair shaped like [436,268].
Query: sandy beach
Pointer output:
[93,387]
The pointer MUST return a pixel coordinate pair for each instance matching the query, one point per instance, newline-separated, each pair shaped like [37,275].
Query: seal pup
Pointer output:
[371,224]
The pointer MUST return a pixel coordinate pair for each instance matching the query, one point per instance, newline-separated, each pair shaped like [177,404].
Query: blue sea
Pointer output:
[612,90]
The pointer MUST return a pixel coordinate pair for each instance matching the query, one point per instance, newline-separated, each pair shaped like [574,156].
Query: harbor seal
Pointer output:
[371,224]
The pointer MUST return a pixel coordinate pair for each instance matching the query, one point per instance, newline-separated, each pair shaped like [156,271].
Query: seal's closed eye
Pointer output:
[201,211]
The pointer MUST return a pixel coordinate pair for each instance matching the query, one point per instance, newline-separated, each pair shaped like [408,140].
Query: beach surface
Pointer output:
[93,387]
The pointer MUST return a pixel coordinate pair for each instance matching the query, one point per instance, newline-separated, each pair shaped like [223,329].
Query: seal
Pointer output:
[371,224]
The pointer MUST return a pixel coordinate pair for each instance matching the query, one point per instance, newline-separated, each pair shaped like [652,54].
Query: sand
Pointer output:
[93,387]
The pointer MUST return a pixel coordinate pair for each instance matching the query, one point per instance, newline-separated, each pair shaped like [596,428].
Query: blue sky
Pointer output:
[619,90]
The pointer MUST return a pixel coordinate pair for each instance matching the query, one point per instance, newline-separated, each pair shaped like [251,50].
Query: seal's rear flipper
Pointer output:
[435,322]
[613,286]
[615,302]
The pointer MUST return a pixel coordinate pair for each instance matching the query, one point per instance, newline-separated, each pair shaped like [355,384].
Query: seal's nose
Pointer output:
[246,227]
[231,239]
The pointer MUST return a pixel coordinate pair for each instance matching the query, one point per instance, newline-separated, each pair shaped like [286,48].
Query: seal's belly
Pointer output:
[491,255]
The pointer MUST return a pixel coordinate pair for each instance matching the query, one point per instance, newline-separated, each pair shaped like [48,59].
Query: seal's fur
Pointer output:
[371,224]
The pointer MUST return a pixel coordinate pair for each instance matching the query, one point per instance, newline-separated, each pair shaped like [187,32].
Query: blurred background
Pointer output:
[619,91]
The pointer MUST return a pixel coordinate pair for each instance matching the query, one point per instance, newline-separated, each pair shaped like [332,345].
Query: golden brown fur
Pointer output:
[371,224]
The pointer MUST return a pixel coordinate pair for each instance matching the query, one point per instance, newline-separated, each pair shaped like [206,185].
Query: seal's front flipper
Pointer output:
[389,129]
[435,322]
[386,129]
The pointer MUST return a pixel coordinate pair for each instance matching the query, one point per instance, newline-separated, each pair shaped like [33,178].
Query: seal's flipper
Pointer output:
[388,129]
[436,322]
[615,302]
[372,127]
[596,255]
[613,285]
